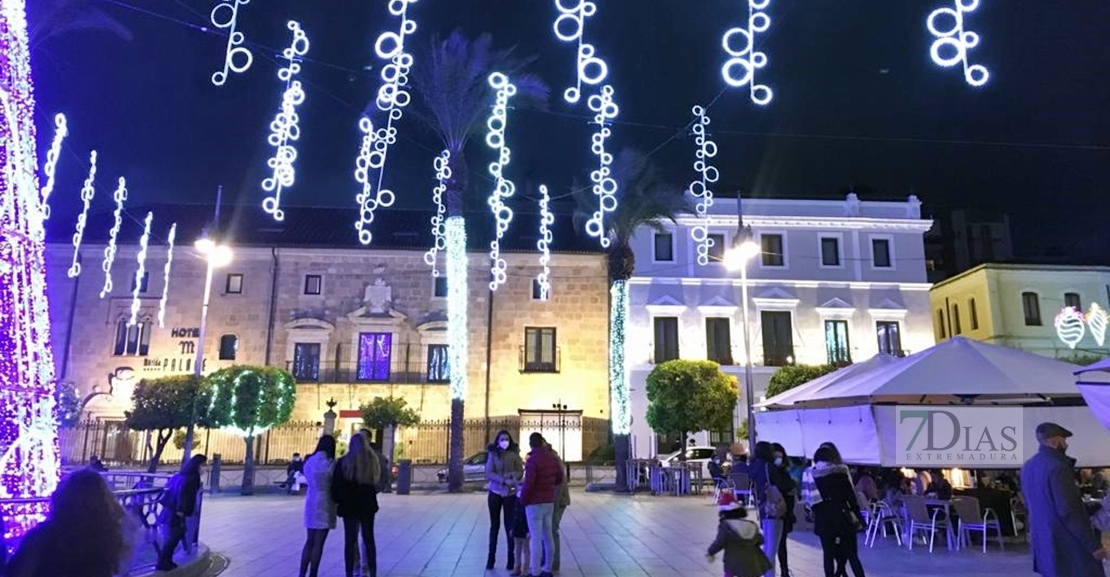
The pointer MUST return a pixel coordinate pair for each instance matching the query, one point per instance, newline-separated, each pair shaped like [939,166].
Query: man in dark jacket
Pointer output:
[1063,541]
[542,475]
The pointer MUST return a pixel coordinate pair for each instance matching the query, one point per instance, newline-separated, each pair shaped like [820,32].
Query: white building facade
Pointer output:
[835,282]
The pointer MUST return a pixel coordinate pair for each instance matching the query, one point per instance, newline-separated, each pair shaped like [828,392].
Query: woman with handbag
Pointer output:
[771,484]
[789,489]
[836,518]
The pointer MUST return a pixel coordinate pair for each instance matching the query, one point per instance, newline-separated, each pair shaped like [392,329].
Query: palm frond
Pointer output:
[58,17]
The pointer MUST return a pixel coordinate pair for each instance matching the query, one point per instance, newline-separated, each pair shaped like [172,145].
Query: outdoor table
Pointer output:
[670,480]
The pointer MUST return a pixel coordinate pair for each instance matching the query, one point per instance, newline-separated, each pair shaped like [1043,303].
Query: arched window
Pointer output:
[132,340]
[1031,306]
[229,346]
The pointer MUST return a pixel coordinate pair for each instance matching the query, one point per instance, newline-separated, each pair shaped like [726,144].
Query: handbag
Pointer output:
[774,504]
[853,519]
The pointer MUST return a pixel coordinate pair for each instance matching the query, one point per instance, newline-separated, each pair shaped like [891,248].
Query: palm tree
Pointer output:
[645,200]
[456,97]
[58,17]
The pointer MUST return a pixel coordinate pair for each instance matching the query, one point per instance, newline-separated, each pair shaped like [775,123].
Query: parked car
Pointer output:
[474,469]
[699,455]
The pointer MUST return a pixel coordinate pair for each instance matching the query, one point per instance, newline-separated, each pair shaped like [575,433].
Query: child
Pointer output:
[521,551]
[740,539]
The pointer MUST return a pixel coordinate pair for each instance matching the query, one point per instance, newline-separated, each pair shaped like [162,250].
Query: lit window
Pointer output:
[890,338]
[539,350]
[306,361]
[836,342]
[234,285]
[374,353]
[439,367]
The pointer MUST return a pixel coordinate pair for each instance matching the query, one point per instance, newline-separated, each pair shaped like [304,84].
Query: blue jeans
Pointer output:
[542,536]
[772,534]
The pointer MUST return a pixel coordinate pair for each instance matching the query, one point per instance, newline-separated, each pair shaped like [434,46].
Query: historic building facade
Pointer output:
[835,282]
[1024,306]
[349,323]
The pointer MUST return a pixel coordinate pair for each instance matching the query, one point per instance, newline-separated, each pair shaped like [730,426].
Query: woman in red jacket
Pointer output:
[542,475]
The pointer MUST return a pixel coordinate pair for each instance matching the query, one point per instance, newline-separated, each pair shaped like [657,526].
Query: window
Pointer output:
[142,284]
[132,340]
[940,324]
[778,338]
[718,342]
[971,310]
[666,339]
[539,350]
[229,345]
[956,328]
[374,353]
[830,251]
[439,287]
[306,361]
[716,248]
[890,337]
[1072,300]
[537,291]
[771,245]
[234,285]
[880,252]
[439,366]
[1031,304]
[836,343]
[664,247]
[313,284]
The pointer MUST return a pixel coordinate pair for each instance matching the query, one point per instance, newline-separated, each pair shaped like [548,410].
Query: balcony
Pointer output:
[530,364]
[778,356]
[405,364]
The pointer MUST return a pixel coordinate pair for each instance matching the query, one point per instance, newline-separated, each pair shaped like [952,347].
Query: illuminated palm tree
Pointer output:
[50,18]
[645,199]
[452,81]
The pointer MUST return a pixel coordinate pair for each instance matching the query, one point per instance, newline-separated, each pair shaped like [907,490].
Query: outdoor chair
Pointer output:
[1018,516]
[865,507]
[974,519]
[882,517]
[742,486]
[721,484]
[920,520]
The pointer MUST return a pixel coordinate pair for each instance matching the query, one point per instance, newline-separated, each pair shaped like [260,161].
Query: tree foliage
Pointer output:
[787,378]
[385,412]
[68,402]
[161,406]
[686,396]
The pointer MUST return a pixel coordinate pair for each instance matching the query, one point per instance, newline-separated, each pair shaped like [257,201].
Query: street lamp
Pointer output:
[216,256]
[744,248]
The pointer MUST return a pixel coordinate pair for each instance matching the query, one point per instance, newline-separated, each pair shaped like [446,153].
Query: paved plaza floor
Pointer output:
[441,535]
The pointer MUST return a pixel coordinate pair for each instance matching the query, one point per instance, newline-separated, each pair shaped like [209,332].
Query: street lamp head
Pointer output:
[205,245]
[744,248]
[220,256]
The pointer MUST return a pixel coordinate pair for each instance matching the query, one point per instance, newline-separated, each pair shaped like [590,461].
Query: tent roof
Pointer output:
[957,370]
[803,392]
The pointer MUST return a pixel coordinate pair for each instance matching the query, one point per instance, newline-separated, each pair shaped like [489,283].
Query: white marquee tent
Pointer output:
[855,407]
[1094,391]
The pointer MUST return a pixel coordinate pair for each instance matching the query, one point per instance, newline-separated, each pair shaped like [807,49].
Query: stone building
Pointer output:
[351,323]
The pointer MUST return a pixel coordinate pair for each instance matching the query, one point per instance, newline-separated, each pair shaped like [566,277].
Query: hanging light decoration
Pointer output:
[439,221]
[604,185]
[61,130]
[744,60]
[87,193]
[700,188]
[393,97]
[285,128]
[953,42]
[166,276]
[110,251]
[544,244]
[503,188]
[140,272]
[570,26]
[237,58]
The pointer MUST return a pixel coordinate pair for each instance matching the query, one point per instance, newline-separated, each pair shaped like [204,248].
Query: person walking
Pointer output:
[1063,542]
[178,504]
[739,538]
[836,517]
[504,470]
[785,483]
[319,508]
[769,483]
[562,501]
[84,534]
[355,490]
[541,477]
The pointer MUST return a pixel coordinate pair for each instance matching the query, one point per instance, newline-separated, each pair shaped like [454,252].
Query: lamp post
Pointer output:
[215,256]
[744,248]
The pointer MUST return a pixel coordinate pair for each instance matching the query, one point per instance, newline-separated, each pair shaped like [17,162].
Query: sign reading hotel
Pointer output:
[1072,325]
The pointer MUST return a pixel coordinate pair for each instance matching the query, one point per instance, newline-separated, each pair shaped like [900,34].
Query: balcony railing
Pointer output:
[778,356]
[530,364]
[404,363]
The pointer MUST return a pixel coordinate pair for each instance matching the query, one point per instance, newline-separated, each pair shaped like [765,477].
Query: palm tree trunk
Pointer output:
[247,487]
[620,410]
[457,319]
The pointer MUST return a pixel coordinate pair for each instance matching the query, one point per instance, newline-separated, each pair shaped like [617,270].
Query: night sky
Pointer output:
[858,103]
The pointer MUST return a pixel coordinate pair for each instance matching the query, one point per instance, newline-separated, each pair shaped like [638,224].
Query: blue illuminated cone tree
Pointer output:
[645,200]
[456,97]
[29,462]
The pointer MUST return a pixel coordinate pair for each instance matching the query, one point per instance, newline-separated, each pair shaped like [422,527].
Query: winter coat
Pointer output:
[743,546]
[353,499]
[1062,539]
[761,473]
[504,469]
[319,508]
[838,496]
[542,475]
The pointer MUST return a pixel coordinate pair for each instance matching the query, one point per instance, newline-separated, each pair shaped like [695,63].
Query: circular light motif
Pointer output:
[503,188]
[87,193]
[237,58]
[110,251]
[1069,326]
[952,42]
[570,27]
[285,128]
[544,243]
[61,130]
[604,185]
[743,60]
[443,174]
[700,188]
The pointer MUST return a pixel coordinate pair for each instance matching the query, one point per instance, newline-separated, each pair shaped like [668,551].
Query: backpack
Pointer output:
[774,504]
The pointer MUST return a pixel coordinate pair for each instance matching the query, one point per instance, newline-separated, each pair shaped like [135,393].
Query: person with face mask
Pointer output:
[1063,542]
[504,469]
[789,489]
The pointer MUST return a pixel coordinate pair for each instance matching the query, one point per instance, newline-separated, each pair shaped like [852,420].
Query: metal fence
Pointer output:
[426,443]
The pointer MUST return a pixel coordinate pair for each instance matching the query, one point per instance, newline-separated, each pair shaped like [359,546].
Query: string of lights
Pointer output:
[61,130]
[700,188]
[442,166]
[744,60]
[570,27]
[140,272]
[87,192]
[237,58]
[120,195]
[544,244]
[953,42]
[285,128]
[166,276]
[604,185]
[503,188]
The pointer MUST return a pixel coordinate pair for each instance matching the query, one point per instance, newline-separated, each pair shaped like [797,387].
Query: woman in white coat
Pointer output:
[319,507]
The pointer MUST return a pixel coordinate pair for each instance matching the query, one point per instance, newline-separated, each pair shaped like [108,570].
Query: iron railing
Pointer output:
[529,364]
